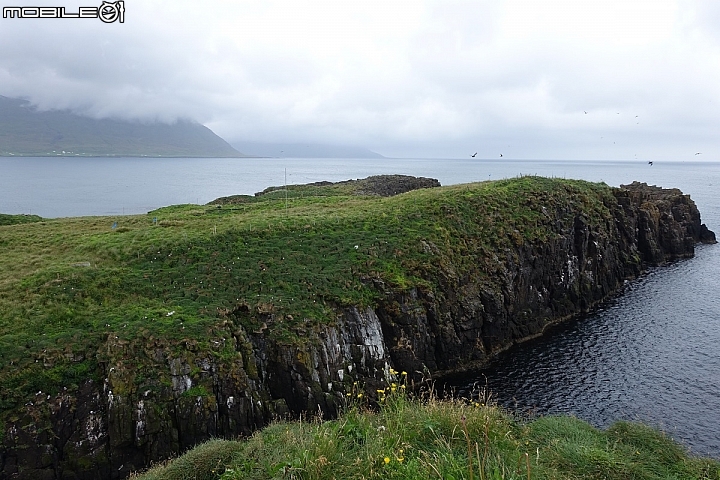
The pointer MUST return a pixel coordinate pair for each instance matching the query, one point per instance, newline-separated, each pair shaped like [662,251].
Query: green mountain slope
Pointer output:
[24,131]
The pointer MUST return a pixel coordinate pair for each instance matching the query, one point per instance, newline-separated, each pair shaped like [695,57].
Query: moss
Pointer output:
[197,391]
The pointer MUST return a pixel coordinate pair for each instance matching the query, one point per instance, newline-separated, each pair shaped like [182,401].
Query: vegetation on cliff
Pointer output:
[128,339]
[67,284]
[445,439]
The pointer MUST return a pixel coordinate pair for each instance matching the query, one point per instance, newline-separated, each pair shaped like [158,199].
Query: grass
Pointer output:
[175,276]
[6,219]
[421,438]
[67,285]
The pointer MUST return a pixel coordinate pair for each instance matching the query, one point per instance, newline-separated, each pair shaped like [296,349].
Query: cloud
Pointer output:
[405,78]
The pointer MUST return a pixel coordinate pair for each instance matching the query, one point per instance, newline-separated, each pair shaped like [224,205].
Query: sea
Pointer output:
[649,354]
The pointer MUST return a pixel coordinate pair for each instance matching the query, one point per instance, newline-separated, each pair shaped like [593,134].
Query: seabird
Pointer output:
[649,163]
[473,155]
[585,112]
[698,153]
[501,154]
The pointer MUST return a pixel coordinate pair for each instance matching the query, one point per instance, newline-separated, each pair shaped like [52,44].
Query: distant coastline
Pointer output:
[116,155]
[26,131]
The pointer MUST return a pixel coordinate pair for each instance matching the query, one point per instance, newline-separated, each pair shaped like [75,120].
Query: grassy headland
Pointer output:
[67,284]
[172,276]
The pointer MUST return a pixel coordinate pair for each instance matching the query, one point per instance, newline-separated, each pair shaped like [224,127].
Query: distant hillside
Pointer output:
[24,131]
[303,150]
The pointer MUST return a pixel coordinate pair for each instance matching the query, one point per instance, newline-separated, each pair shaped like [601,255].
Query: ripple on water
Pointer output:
[650,355]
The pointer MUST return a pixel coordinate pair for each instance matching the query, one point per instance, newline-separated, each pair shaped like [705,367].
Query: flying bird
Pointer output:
[650,163]
[698,153]
[501,154]
[585,112]
[473,155]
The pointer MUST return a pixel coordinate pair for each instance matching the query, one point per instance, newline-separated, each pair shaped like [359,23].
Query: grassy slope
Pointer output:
[16,219]
[414,439]
[299,261]
[304,259]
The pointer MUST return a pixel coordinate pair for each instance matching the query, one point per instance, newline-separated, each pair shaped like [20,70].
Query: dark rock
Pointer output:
[380,185]
[108,429]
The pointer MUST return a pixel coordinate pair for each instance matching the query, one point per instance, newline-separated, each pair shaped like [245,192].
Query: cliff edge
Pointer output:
[210,321]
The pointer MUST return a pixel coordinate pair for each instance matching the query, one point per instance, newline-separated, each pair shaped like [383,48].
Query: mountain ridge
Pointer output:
[25,131]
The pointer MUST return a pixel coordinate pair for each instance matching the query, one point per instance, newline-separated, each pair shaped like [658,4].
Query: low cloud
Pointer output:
[402,78]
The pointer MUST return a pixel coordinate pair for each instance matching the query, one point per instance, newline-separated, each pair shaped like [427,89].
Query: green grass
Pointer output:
[450,439]
[6,219]
[67,285]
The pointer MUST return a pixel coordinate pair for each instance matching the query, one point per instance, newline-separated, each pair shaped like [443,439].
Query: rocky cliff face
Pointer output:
[158,397]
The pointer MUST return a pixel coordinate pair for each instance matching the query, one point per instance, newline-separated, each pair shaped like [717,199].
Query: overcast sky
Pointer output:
[551,79]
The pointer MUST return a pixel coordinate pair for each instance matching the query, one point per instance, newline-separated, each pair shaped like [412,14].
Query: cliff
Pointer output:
[213,333]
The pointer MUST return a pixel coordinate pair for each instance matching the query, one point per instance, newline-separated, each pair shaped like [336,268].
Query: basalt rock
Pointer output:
[376,185]
[157,397]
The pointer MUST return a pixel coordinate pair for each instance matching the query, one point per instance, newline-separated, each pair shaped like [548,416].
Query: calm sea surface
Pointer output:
[651,354]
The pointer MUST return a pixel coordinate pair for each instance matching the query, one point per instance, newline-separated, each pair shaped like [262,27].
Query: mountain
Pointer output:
[303,150]
[25,131]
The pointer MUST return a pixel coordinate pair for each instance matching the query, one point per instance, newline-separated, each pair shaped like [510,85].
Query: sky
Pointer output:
[525,79]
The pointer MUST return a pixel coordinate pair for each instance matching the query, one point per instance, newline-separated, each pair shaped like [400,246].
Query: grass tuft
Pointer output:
[204,462]
[420,438]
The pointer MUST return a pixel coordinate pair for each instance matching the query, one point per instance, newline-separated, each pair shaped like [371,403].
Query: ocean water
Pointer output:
[61,187]
[651,354]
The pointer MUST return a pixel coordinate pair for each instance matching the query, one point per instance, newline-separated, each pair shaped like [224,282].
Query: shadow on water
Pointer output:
[651,354]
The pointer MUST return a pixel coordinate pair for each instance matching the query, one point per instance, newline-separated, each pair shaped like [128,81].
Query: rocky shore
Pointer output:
[154,397]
